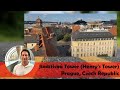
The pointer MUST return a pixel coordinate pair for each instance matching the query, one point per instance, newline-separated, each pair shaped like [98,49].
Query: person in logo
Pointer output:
[25,66]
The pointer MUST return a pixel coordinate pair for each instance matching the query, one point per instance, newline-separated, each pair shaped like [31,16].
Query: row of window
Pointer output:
[91,49]
[108,52]
[91,54]
[94,43]
[94,39]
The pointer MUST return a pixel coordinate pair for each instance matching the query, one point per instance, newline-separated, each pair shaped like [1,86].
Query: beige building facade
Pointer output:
[94,45]
[31,45]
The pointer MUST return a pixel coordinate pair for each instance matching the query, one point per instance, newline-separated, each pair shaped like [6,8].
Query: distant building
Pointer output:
[95,24]
[76,27]
[84,44]
[113,30]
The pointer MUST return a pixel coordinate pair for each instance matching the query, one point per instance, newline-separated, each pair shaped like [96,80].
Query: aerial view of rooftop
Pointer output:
[59,36]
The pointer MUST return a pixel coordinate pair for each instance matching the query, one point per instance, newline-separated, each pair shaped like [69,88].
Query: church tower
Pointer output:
[38,22]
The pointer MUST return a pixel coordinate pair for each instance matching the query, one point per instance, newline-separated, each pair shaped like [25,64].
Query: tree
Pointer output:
[118,23]
[60,37]
[11,25]
[67,37]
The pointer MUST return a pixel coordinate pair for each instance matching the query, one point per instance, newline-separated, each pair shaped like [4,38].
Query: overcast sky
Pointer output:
[68,16]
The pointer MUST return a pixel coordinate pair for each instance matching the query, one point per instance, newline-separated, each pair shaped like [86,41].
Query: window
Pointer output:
[88,49]
[81,50]
[90,54]
[87,54]
[77,55]
[84,54]
[110,52]
[88,44]
[81,44]
[102,48]
[102,43]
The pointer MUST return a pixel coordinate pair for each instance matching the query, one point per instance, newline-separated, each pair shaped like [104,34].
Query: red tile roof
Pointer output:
[113,30]
[75,27]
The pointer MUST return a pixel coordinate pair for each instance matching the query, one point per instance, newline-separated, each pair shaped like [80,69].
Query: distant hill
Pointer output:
[80,22]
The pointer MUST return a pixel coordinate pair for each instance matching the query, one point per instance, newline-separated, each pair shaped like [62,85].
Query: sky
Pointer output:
[68,16]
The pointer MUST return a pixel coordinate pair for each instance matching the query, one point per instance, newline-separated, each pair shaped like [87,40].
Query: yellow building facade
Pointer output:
[85,47]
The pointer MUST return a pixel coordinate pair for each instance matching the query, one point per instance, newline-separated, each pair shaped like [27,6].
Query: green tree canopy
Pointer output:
[67,37]
[118,23]
[12,25]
